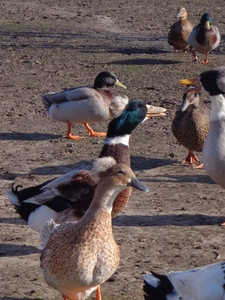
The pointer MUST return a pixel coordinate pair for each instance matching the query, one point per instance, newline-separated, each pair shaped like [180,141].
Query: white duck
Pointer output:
[204,283]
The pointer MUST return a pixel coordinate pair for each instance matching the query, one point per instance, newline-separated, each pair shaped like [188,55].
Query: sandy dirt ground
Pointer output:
[51,45]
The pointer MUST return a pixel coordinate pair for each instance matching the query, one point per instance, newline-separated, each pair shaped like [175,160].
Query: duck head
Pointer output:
[206,21]
[191,98]
[107,79]
[181,13]
[134,114]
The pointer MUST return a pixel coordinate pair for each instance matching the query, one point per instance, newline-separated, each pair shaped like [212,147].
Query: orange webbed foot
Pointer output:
[70,135]
[191,158]
[91,132]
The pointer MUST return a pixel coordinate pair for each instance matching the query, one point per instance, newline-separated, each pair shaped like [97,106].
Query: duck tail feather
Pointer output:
[47,102]
[158,287]
[12,194]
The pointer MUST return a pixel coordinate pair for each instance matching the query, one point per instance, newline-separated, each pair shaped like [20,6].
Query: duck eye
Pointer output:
[121,172]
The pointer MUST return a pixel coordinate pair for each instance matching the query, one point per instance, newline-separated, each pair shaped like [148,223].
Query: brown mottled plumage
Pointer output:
[180,30]
[79,257]
[190,125]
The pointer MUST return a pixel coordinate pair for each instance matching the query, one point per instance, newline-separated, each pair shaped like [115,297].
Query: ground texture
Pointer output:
[51,45]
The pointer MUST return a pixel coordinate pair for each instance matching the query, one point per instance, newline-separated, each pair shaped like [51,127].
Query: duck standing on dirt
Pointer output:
[213,154]
[67,197]
[179,31]
[190,126]
[204,283]
[86,104]
[79,257]
[204,37]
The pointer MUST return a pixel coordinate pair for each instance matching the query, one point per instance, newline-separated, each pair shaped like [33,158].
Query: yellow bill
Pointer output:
[194,82]
[118,83]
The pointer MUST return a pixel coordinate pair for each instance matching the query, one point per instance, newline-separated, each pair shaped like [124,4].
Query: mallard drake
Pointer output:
[86,104]
[204,283]
[67,197]
[179,31]
[190,125]
[79,257]
[213,154]
[204,37]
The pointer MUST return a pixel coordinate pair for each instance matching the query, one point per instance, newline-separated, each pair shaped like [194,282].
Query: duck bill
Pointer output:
[184,105]
[135,183]
[155,111]
[194,82]
[207,25]
[118,83]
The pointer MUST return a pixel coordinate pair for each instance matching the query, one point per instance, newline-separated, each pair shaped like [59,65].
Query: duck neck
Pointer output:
[107,193]
[218,108]
[118,148]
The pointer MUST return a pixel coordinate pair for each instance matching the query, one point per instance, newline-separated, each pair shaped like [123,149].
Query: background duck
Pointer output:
[86,104]
[180,31]
[69,196]
[190,125]
[79,257]
[213,154]
[204,283]
[204,37]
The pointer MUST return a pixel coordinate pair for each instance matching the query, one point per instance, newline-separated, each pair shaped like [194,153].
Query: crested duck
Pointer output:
[204,283]
[78,257]
[179,31]
[213,154]
[67,197]
[190,126]
[204,37]
[86,104]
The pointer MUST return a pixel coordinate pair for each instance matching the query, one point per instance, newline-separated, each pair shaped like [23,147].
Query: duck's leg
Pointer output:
[98,295]
[191,158]
[194,54]
[70,135]
[206,60]
[91,132]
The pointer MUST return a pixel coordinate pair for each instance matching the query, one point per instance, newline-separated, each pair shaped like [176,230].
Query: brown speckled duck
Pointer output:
[179,31]
[204,37]
[79,257]
[67,197]
[86,104]
[190,126]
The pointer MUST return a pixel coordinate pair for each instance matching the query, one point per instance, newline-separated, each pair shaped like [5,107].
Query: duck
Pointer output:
[202,283]
[212,83]
[180,31]
[79,257]
[67,197]
[86,104]
[204,38]
[190,126]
